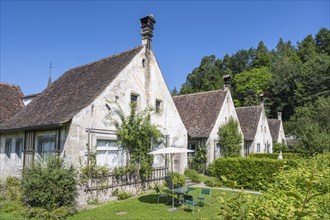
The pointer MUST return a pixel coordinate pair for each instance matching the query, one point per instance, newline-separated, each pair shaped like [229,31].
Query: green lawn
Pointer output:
[146,207]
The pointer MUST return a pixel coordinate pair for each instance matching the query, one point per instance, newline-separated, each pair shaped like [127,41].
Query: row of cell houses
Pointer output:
[70,116]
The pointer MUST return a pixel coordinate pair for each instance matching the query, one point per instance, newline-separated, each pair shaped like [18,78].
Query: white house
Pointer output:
[69,116]
[277,130]
[202,114]
[254,124]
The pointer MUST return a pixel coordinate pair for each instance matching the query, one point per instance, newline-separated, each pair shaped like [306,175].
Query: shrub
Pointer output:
[179,179]
[230,138]
[50,186]
[251,173]
[198,163]
[123,195]
[192,175]
[13,190]
[298,193]
[286,156]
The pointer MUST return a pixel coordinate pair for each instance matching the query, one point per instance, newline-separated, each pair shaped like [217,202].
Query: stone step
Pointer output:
[189,183]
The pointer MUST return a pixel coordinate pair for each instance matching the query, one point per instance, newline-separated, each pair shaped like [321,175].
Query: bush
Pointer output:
[198,163]
[50,186]
[286,156]
[13,190]
[179,179]
[123,195]
[251,173]
[192,175]
[299,193]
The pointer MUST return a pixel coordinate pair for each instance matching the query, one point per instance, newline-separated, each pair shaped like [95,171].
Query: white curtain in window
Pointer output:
[108,153]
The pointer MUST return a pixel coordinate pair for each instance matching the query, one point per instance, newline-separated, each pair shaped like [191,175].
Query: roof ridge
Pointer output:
[106,58]
[9,84]
[198,93]
[254,106]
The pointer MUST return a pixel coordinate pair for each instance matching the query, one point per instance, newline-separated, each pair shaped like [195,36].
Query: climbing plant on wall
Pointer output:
[135,132]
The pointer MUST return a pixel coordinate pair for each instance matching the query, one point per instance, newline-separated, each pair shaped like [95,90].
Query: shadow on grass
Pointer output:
[152,199]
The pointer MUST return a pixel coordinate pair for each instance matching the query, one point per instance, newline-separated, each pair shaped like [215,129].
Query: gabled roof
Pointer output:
[274,127]
[199,111]
[10,101]
[73,91]
[249,118]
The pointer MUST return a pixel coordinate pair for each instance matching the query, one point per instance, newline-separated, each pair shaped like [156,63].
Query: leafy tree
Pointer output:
[135,132]
[241,60]
[322,41]
[250,84]
[205,77]
[307,48]
[311,125]
[230,139]
[262,56]
[174,92]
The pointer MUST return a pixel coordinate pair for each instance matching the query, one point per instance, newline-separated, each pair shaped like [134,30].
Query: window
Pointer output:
[265,129]
[217,150]
[159,159]
[261,128]
[258,147]
[8,147]
[158,105]
[46,147]
[18,147]
[134,98]
[192,146]
[108,153]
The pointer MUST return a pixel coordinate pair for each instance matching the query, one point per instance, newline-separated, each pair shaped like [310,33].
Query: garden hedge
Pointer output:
[249,173]
[287,156]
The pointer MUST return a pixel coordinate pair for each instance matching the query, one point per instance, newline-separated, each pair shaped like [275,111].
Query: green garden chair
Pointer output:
[205,192]
[189,200]
[160,195]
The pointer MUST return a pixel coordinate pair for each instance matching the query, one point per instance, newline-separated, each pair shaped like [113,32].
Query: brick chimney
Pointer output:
[147,29]
[279,116]
[226,85]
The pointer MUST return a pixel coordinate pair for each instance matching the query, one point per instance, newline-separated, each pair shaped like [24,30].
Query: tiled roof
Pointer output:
[199,111]
[73,91]
[10,101]
[249,118]
[274,127]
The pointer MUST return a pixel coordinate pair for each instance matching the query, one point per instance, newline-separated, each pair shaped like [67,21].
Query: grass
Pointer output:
[146,207]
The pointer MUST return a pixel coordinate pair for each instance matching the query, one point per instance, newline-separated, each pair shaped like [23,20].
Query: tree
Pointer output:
[135,133]
[311,125]
[205,77]
[250,84]
[322,41]
[262,56]
[174,92]
[230,139]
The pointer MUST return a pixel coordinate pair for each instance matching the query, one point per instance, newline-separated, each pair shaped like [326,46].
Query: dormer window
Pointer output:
[158,105]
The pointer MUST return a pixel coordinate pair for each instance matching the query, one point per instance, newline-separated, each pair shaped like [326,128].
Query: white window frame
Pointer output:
[110,147]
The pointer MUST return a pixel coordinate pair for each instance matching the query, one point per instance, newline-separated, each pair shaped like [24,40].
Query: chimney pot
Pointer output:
[226,85]
[279,116]
[147,28]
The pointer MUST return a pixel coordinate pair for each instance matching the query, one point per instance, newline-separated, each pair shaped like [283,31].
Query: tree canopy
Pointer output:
[289,75]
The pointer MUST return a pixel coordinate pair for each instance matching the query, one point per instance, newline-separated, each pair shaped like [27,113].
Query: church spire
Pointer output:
[50,74]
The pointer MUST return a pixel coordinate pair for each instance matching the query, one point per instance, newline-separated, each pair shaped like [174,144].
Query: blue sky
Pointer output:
[72,33]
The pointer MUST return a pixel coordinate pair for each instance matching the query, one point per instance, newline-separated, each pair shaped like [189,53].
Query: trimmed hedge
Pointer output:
[250,173]
[286,156]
